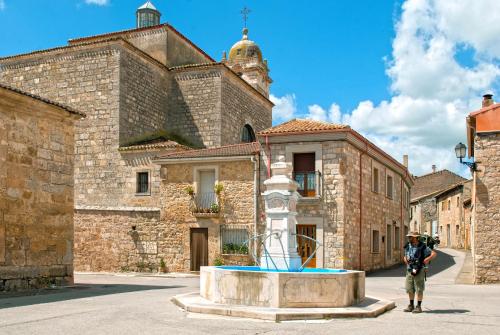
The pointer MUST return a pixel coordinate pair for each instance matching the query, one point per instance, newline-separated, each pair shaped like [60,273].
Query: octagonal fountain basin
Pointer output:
[252,286]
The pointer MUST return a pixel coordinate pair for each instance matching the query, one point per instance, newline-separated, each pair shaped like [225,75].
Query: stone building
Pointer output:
[453,205]
[423,210]
[36,191]
[483,138]
[355,197]
[134,85]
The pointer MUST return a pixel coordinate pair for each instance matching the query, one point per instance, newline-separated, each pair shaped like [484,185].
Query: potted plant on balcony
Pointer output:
[190,190]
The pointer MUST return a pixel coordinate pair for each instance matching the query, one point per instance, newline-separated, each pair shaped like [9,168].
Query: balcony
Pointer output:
[310,183]
[206,205]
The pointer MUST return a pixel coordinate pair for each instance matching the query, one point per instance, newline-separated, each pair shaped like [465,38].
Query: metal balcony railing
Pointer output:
[206,203]
[309,183]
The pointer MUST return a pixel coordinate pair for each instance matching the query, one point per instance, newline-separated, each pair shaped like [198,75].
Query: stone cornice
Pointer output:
[78,51]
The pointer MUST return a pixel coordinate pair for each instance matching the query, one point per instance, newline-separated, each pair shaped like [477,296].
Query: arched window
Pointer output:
[248,134]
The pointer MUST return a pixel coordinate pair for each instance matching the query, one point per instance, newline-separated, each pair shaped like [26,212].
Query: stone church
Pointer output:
[171,158]
[144,91]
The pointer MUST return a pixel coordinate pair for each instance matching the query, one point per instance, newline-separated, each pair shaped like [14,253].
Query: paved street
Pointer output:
[107,304]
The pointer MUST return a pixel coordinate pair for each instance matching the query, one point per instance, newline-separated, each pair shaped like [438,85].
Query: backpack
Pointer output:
[416,264]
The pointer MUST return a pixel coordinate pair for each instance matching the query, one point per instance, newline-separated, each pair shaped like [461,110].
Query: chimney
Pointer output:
[433,168]
[487,100]
[405,161]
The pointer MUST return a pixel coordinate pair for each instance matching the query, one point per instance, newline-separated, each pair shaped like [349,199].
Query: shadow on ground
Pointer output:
[448,311]
[442,262]
[68,293]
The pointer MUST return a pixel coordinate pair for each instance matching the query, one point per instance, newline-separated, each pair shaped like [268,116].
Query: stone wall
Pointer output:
[338,208]
[180,52]
[87,80]
[450,216]
[387,215]
[144,88]
[36,193]
[237,209]
[486,204]
[107,240]
[195,107]
[241,106]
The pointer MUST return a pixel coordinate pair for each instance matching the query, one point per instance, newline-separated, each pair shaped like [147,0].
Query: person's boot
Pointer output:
[410,308]
[417,309]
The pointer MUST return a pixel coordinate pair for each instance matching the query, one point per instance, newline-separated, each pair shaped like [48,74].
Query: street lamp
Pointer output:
[460,149]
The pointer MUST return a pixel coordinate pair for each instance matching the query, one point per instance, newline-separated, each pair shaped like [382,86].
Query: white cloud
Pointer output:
[97,2]
[2,4]
[433,90]
[284,108]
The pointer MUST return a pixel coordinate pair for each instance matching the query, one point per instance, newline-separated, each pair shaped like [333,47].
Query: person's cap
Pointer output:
[413,234]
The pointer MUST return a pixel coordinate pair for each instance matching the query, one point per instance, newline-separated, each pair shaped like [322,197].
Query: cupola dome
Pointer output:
[245,50]
[147,15]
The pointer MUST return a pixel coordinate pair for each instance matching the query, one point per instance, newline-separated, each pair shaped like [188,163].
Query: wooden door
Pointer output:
[199,248]
[305,246]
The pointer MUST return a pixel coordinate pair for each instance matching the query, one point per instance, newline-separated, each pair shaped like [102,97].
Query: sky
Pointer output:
[404,73]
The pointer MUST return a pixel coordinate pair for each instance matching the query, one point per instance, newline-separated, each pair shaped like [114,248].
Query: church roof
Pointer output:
[45,100]
[301,126]
[245,49]
[148,5]
[241,149]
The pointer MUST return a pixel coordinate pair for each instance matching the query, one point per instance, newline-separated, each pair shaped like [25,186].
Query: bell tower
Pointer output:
[147,15]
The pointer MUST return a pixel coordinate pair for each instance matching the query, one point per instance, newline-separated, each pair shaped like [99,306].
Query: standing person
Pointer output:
[417,256]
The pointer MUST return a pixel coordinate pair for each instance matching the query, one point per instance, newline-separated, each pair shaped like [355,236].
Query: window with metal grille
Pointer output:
[142,182]
[234,239]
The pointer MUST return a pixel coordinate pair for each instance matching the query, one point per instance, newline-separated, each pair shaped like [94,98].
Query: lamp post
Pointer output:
[460,149]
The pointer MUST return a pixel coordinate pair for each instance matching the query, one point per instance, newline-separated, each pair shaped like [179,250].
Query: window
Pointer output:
[205,199]
[458,201]
[142,182]
[443,206]
[375,241]
[304,173]
[457,230]
[449,204]
[375,180]
[234,239]
[389,187]
[248,134]
[397,238]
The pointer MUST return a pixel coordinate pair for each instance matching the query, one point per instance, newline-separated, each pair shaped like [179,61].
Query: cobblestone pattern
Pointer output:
[237,208]
[36,194]
[486,214]
[239,107]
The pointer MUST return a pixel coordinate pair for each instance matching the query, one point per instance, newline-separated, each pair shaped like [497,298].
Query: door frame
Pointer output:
[191,258]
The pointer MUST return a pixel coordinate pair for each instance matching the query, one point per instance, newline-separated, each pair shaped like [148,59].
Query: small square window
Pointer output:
[142,182]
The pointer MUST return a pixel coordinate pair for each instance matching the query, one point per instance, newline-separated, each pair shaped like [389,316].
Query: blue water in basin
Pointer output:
[257,269]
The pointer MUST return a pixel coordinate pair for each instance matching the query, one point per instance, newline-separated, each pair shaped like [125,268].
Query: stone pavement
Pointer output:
[108,304]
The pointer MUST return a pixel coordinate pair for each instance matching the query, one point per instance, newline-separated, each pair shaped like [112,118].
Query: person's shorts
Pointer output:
[415,284]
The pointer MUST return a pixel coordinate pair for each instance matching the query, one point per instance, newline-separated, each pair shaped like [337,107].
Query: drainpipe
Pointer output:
[256,168]
[268,157]
[401,223]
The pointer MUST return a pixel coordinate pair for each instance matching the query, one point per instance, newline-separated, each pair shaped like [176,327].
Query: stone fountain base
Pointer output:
[280,296]
[281,289]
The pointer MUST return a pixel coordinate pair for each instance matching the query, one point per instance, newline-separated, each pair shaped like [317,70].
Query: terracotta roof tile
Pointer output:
[155,145]
[432,183]
[242,149]
[303,126]
[45,100]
